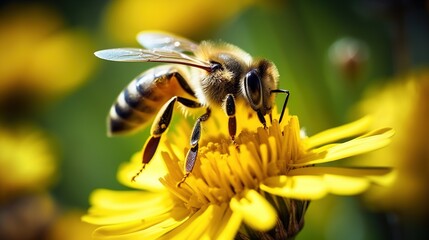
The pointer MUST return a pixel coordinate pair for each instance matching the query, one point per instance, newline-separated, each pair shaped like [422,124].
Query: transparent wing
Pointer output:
[164,40]
[152,55]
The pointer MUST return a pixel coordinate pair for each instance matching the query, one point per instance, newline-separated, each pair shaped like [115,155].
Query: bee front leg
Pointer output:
[191,156]
[159,126]
[229,104]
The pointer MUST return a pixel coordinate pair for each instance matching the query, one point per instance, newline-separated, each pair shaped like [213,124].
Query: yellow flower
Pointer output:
[27,161]
[266,183]
[188,18]
[40,59]
[402,104]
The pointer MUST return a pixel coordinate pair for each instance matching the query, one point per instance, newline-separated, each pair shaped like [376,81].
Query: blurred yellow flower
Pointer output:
[27,161]
[266,183]
[124,18]
[403,105]
[40,59]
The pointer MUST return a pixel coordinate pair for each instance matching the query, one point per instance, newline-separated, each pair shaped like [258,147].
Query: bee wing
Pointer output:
[163,40]
[151,55]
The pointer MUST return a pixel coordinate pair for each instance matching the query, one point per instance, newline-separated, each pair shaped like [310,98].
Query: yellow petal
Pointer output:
[297,187]
[342,185]
[196,225]
[351,171]
[143,230]
[341,132]
[255,210]
[231,222]
[148,179]
[370,142]
[315,182]
[111,207]
[385,180]
[360,145]
[129,227]
[112,199]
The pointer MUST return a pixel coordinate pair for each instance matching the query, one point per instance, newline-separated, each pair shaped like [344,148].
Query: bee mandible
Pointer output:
[205,75]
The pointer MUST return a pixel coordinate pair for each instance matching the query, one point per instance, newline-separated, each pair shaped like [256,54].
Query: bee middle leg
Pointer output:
[191,156]
[160,125]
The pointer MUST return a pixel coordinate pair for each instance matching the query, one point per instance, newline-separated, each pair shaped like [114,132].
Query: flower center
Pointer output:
[223,170]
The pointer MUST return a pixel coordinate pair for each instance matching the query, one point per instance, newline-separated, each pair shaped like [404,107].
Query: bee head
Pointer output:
[257,85]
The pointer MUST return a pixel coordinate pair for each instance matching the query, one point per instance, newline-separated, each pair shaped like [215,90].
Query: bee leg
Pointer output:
[232,122]
[160,124]
[262,119]
[191,156]
[149,150]
[284,103]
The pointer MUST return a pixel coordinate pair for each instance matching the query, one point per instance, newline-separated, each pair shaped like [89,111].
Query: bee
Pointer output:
[206,75]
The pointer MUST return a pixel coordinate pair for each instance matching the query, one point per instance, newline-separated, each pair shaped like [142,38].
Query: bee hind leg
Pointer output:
[149,150]
[159,126]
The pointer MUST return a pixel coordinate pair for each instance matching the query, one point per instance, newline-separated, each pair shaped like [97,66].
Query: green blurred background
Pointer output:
[329,53]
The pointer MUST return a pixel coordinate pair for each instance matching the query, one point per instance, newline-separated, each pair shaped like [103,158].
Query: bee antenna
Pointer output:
[284,103]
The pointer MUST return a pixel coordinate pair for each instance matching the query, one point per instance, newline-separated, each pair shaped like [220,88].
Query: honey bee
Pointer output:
[205,75]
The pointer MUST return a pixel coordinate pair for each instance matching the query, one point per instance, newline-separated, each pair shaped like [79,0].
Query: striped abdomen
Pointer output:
[141,100]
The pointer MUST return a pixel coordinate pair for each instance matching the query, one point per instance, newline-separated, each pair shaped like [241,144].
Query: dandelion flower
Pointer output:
[260,189]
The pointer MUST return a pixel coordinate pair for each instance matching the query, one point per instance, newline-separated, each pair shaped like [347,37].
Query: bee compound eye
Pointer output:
[253,88]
